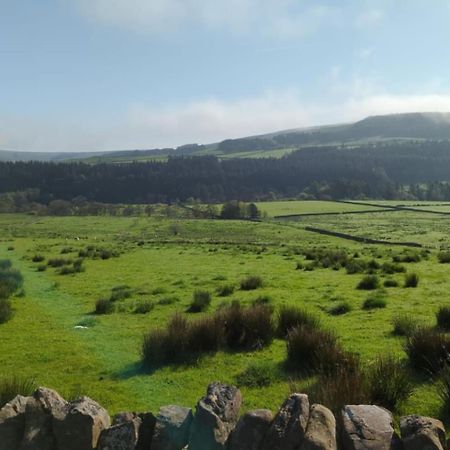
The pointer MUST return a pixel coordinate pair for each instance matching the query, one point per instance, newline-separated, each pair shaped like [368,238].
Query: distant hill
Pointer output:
[416,126]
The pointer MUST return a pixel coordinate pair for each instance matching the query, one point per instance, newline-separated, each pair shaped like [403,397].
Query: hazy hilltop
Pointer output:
[422,126]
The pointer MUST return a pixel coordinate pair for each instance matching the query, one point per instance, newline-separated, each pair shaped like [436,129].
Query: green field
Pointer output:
[160,258]
[287,208]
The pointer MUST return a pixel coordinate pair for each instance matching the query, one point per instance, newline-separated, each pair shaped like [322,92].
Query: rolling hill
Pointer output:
[416,126]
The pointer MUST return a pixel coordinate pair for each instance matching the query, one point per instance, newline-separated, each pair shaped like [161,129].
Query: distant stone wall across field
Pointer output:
[45,421]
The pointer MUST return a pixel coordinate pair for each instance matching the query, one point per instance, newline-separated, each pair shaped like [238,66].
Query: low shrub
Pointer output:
[158,291]
[37,258]
[369,282]
[258,375]
[121,292]
[200,301]
[376,300]
[104,306]
[443,318]
[251,283]
[13,386]
[317,351]
[411,280]
[59,262]
[262,300]
[389,383]
[167,301]
[407,257]
[428,349]
[5,264]
[230,328]
[355,266]
[41,268]
[247,328]
[225,290]
[290,317]
[66,250]
[143,307]
[404,325]
[391,268]
[444,257]
[340,308]
[10,281]
[390,283]
[6,311]
[341,388]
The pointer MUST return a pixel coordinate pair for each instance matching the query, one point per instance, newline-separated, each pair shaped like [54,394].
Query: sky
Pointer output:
[97,75]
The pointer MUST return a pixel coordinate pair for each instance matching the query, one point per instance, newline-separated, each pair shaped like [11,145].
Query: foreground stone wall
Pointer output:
[45,421]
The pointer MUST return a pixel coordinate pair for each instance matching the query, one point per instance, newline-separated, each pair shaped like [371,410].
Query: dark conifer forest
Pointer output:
[389,170]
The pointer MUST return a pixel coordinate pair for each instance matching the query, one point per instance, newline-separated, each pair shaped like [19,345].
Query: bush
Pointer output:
[390,283]
[167,301]
[355,266]
[315,350]
[368,283]
[258,375]
[339,389]
[13,386]
[391,268]
[41,268]
[407,257]
[428,350]
[340,309]
[37,258]
[290,317]
[59,262]
[5,264]
[181,341]
[443,318]
[444,257]
[411,280]
[262,300]
[6,311]
[251,283]
[104,306]
[389,383]
[200,301]
[121,292]
[225,290]
[10,281]
[404,325]
[143,307]
[247,328]
[374,301]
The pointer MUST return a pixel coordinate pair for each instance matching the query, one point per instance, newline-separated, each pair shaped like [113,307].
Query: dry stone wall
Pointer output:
[45,421]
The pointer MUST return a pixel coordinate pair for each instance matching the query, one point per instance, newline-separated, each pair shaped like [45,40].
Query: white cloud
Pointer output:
[206,121]
[279,18]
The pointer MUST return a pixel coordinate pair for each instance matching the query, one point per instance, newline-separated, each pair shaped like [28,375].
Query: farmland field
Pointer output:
[55,338]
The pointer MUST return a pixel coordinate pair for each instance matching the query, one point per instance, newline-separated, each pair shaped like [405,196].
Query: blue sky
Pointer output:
[116,74]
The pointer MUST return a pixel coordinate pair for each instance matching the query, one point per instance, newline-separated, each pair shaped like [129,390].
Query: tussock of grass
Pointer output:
[13,386]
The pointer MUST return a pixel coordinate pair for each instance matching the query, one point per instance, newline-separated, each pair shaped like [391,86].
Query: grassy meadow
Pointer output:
[56,339]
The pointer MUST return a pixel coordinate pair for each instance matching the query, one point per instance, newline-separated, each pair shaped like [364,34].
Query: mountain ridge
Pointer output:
[416,125]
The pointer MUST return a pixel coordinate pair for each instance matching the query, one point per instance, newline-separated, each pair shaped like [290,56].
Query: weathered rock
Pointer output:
[321,430]
[215,417]
[146,427]
[250,430]
[41,410]
[422,433]
[12,423]
[172,428]
[123,436]
[289,426]
[80,428]
[368,427]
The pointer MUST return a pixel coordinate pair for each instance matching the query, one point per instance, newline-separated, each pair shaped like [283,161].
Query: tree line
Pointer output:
[389,170]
